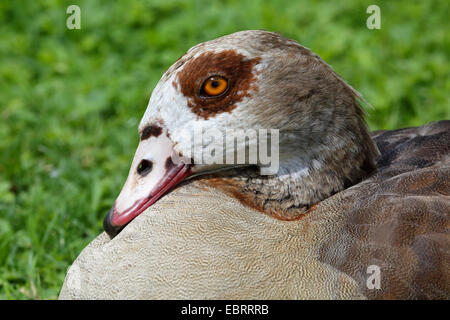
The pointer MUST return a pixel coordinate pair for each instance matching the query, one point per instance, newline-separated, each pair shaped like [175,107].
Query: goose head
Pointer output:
[249,80]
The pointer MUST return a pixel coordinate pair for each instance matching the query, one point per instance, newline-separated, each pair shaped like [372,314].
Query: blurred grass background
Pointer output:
[71,100]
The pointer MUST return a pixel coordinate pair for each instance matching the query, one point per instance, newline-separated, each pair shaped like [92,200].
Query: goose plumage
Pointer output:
[342,200]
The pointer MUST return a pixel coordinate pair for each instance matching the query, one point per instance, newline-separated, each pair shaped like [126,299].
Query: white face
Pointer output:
[169,106]
[247,80]
[207,89]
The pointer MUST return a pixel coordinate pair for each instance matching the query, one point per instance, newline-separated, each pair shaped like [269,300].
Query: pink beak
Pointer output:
[155,170]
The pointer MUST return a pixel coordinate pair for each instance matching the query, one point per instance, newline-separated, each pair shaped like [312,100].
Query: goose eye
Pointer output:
[214,86]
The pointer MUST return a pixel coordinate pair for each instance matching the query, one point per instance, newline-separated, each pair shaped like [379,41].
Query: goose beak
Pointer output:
[155,170]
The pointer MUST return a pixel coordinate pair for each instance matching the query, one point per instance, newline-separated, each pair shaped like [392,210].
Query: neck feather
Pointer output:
[306,176]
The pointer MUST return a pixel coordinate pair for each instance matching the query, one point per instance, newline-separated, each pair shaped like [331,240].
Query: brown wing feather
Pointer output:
[399,218]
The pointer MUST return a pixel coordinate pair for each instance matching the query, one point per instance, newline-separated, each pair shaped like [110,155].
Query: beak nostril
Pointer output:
[144,167]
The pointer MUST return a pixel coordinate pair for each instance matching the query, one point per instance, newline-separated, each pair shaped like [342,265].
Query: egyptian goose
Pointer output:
[335,208]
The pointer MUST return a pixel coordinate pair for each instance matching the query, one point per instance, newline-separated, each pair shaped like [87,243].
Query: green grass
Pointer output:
[70,101]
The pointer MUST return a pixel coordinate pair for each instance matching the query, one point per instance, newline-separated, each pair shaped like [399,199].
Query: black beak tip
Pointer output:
[109,228]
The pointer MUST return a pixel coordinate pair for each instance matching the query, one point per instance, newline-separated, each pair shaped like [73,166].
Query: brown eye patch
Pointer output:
[235,68]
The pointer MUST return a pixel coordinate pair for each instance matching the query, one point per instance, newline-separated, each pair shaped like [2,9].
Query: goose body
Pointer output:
[343,201]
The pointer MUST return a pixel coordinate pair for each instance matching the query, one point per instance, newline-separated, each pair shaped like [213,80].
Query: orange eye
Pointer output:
[214,86]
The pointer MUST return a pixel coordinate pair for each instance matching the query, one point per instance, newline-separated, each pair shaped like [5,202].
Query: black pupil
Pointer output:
[215,83]
[144,167]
